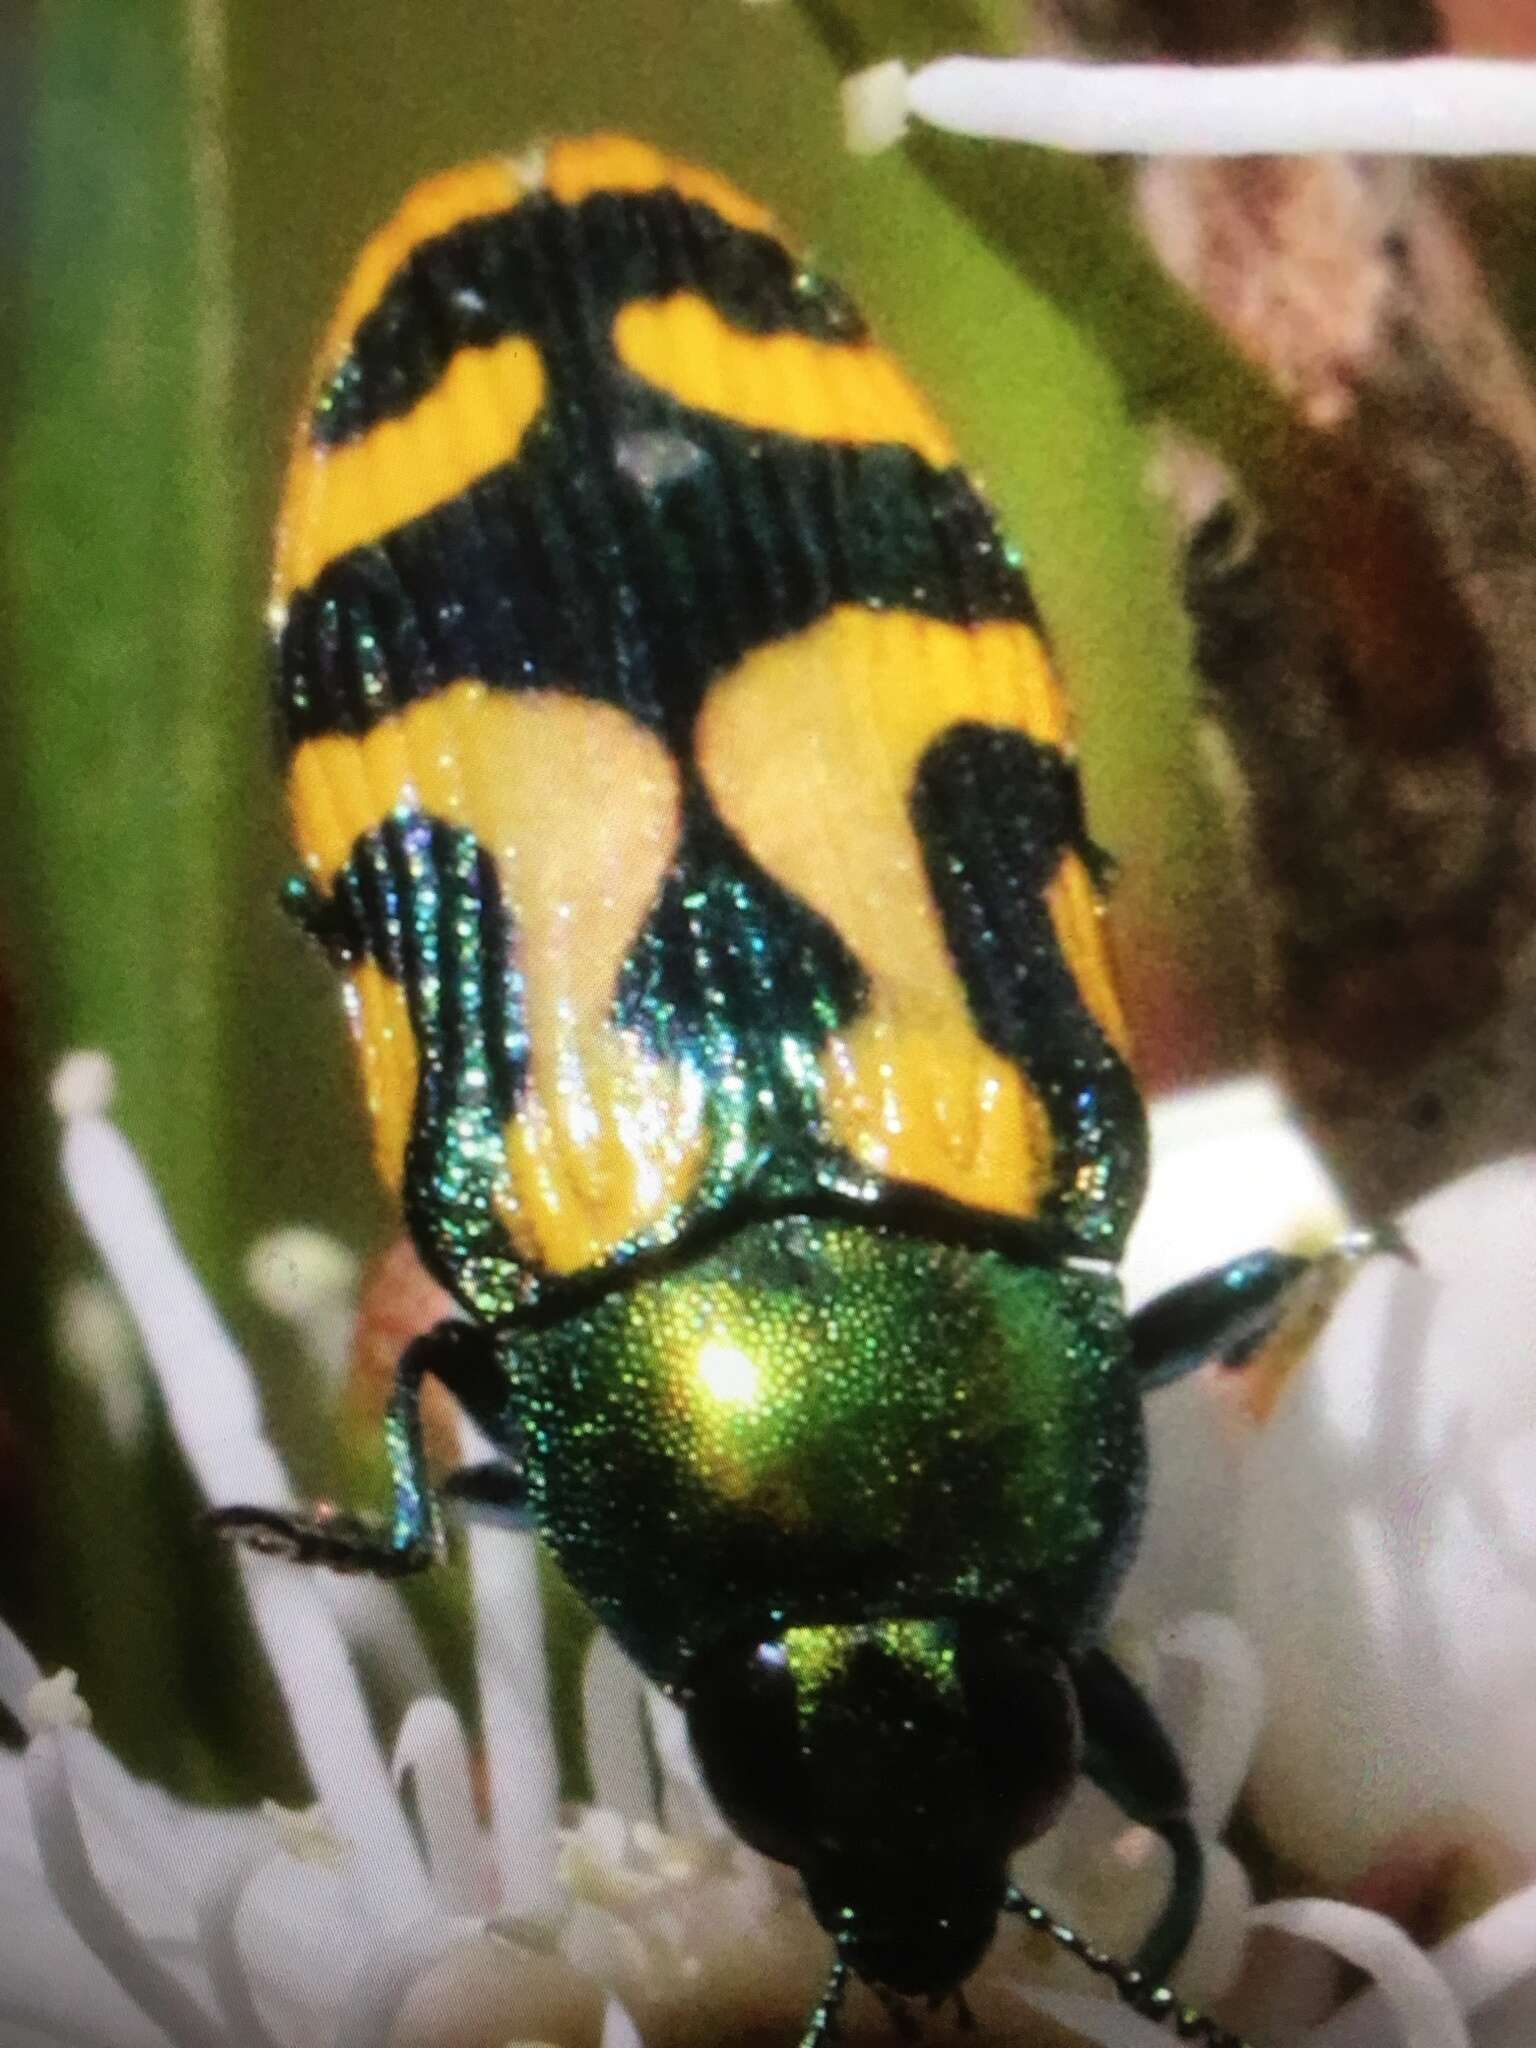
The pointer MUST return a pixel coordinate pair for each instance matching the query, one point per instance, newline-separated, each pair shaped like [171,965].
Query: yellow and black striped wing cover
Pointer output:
[680,776]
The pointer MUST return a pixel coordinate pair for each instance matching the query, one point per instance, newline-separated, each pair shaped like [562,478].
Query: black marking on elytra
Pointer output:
[560,571]
[995,812]
[512,273]
[738,976]
[422,899]
[329,920]
[578,566]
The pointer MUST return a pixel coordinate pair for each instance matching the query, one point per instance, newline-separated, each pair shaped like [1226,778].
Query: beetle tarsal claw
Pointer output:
[342,1543]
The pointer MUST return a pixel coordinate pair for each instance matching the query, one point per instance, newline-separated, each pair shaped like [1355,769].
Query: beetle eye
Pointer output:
[1025,1723]
[742,1723]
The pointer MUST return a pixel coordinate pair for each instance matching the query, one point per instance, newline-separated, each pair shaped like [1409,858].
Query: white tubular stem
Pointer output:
[1415,106]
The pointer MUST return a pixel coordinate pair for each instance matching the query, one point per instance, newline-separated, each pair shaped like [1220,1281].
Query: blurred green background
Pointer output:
[185,184]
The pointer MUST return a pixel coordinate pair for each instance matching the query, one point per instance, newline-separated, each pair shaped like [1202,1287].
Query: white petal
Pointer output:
[1384,1567]
[385,1974]
[1218,1737]
[491,1991]
[1417,1995]
[24,2023]
[1095,2019]
[1231,1171]
[1480,1964]
[1184,1561]
[1212,1962]
[301,1929]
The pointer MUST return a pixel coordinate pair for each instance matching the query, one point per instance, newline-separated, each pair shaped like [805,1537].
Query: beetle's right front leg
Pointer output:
[463,1357]
[1236,1312]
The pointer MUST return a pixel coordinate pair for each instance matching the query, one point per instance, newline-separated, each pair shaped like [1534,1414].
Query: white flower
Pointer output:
[1388,1536]
[399,1910]
[1378,1507]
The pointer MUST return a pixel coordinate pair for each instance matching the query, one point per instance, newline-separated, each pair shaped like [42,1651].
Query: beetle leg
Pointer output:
[498,1487]
[463,1357]
[1128,1755]
[825,2027]
[903,2023]
[1236,1312]
[1136,1987]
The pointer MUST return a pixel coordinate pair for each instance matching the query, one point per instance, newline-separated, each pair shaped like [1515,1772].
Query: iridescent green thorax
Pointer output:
[826,1422]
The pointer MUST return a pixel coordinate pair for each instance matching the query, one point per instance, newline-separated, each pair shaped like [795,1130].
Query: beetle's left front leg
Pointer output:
[1128,1755]
[463,1356]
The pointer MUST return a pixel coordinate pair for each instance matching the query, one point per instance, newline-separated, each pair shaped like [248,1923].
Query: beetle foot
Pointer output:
[343,1543]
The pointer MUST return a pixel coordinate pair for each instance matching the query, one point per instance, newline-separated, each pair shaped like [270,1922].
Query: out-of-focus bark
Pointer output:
[1369,640]
[400,1301]
[1495,28]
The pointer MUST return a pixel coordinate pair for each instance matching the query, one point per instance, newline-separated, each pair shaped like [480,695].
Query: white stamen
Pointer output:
[83,1085]
[1482,1961]
[306,1835]
[97,1337]
[875,107]
[218,1942]
[690,1810]
[1417,106]
[431,1751]
[56,1703]
[93,1913]
[619,2030]
[310,1282]
[298,1272]
[19,1674]
[214,1413]
[613,1698]
[1417,1996]
[514,1707]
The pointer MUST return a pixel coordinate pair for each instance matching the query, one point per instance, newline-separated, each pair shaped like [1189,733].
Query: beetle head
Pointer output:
[897,1764]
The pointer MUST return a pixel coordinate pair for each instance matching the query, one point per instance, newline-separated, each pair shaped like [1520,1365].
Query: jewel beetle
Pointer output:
[687,799]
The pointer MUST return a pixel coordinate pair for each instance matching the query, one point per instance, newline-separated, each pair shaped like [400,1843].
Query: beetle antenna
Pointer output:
[1154,2001]
[825,2027]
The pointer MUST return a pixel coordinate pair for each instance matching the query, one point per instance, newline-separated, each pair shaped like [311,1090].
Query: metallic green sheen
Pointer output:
[825,1421]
